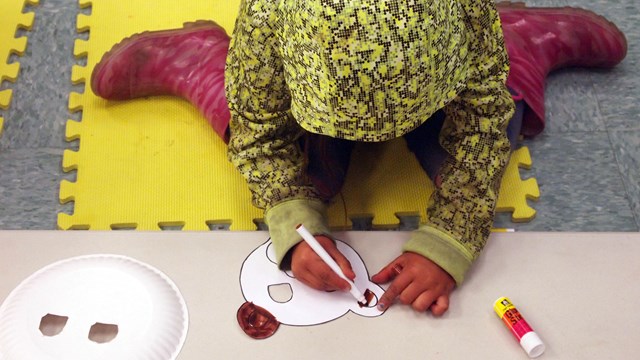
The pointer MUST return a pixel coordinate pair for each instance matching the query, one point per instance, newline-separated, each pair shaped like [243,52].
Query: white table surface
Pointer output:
[579,291]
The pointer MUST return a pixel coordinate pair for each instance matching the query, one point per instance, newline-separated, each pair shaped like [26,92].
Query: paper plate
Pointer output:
[141,307]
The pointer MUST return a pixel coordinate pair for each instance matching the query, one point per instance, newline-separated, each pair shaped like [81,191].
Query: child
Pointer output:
[307,79]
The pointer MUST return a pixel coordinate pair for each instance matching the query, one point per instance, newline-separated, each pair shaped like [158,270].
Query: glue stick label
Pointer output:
[511,317]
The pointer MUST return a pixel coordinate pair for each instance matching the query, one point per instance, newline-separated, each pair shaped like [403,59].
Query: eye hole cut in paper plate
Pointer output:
[275,297]
[94,307]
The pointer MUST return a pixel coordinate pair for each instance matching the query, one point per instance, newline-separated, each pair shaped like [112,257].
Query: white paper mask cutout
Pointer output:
[94,307]
[305,306]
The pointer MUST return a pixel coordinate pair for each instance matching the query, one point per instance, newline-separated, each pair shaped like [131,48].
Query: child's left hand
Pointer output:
[417,281]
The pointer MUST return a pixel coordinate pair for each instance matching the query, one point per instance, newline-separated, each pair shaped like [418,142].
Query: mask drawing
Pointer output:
[293,303]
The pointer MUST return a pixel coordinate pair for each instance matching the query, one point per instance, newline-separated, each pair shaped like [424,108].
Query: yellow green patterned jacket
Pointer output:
[371,70]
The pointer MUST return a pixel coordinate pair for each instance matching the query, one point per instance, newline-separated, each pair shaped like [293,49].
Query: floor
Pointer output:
[587,161]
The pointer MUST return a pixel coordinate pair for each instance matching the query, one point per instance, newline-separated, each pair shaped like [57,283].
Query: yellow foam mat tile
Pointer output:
[514,191]
[149,163]
[385,181]
[12,19]
[155,163]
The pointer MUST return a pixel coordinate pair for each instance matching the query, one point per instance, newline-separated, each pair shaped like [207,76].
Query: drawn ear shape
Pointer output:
[103,333]
[52,325]
[280,293]
[271,254]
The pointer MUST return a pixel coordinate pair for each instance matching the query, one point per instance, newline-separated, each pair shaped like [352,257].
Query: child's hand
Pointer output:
[417,281]
[309,268]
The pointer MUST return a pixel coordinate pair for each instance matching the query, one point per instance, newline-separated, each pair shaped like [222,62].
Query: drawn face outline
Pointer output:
[307,306]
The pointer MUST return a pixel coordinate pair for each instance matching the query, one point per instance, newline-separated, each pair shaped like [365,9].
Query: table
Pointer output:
[579,291]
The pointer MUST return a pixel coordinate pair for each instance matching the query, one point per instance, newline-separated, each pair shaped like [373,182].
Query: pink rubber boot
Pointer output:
[187,62]
[539,40]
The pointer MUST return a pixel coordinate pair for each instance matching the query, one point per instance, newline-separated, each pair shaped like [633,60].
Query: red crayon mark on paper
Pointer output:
[256,321]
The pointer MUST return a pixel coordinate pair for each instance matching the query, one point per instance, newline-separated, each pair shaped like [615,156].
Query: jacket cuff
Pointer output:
[283,218]
[442,249]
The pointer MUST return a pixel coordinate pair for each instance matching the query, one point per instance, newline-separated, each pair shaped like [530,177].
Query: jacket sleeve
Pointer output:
[264,137]
[461,211]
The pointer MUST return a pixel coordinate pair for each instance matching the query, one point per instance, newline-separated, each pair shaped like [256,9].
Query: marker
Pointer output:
[528,339]
[507,230]
[324,255]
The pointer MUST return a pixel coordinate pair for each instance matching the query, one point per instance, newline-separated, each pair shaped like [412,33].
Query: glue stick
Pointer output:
[528,339]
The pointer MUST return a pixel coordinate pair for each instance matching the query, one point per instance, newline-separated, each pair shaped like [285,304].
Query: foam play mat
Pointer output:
[155,163]
[11,19]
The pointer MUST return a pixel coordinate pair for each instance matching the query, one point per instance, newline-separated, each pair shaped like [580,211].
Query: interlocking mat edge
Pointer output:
[12,19]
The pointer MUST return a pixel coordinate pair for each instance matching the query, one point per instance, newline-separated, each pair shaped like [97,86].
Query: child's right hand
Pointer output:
[309,268]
